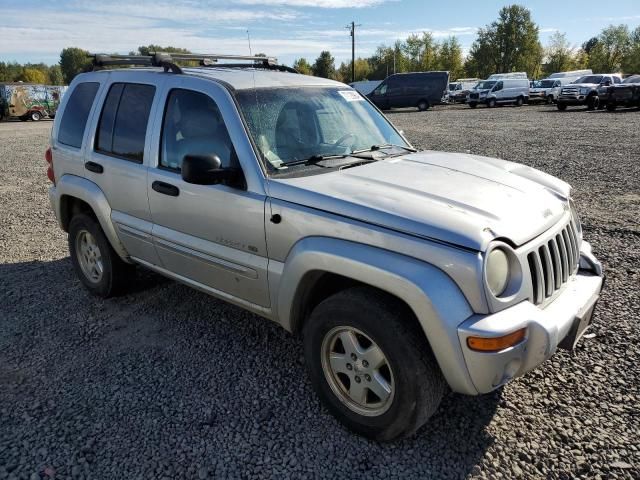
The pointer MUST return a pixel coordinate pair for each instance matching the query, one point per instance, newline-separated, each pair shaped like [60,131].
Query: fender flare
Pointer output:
[91,194]
[432,295]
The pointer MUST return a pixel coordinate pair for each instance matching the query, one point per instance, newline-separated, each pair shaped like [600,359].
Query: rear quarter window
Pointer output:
[74,118]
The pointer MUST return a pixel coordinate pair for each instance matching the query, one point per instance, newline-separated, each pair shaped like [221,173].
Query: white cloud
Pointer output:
[315,3]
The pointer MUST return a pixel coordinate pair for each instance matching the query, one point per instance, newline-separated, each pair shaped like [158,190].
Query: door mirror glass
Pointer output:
[207,170]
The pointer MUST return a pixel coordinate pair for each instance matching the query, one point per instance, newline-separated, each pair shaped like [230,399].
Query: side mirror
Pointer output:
[207,170]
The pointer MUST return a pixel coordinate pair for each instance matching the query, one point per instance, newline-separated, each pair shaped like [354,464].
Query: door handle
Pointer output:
[165,188]
[94,167]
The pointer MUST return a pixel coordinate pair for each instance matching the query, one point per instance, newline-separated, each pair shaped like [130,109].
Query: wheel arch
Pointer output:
[317,267]
[75,194]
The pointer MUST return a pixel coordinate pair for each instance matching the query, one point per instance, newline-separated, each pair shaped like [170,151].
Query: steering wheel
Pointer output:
[344,138]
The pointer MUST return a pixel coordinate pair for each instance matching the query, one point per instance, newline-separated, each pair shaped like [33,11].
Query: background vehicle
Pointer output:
[502,76]
[500,92]
[625,94]
[459,89]
[365,87]
[29,102]
[584,91]
[546,90]
[292,197]
[421,90]
[570,76]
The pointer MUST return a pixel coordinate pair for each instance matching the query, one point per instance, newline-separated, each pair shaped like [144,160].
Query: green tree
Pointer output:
[149,49]
[450,58]
[611,49]
[363,70]
[72,62]
[511,43]
[33,75]
[561,56]
[631,62]
[54,74]
[324,66]
[302,66]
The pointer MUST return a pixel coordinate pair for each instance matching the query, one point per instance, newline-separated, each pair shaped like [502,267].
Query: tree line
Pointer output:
[511,43]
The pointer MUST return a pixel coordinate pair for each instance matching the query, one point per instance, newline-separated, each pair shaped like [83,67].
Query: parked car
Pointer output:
[547,90]
[500,92]
[421,90]
[29,102]
[459,90]
[570,76]
[584,91]
[365,87]
[503,76]
[293,197]
[625,94]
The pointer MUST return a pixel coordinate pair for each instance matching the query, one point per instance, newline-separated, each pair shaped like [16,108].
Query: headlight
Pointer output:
[497,271]
[584,91]
[575,217]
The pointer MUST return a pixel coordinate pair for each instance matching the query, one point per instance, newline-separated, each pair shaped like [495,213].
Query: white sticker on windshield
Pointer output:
[350,95]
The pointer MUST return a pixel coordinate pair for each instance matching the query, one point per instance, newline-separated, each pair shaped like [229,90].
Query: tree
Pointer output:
[631,62]
[450,57]
[511,43]
[302,66]
[55,75]
[149,49]
[72,62]
[33,75]
[324,65]
[363,70]
[610,50]
[560,55]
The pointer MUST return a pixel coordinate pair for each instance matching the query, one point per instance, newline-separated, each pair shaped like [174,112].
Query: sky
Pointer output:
[37,30]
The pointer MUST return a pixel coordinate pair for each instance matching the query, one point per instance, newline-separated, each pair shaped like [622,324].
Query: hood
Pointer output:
[583,85]
[456,198]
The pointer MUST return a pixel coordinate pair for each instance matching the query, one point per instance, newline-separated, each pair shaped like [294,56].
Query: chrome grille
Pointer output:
[554,262]
[570,91]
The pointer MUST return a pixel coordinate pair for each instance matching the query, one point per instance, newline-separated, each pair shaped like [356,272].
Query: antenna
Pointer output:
[249,41]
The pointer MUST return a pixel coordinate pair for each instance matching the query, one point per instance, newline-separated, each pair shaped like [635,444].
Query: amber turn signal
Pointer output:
[495,344]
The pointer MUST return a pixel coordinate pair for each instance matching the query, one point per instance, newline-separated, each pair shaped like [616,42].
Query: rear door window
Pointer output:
[74,118]
[123,123]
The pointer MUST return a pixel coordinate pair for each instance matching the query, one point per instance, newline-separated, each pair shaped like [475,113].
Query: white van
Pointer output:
[570,76]
[502,76]
[500,92]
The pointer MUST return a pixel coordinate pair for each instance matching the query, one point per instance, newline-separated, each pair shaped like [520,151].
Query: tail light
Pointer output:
[48,156]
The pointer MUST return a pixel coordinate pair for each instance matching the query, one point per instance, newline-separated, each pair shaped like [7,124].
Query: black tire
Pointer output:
[519,102]
[611,106]
[423,105]
[593,102]
[115,272]
[473,104]
[491,103]
[418,384]
[549,99]
[561,106]
[35,116]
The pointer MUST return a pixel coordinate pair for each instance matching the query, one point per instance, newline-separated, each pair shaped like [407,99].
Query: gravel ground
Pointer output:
[167,382]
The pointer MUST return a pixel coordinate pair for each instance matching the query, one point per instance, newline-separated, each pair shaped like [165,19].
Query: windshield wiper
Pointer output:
[313,160]
[374,148]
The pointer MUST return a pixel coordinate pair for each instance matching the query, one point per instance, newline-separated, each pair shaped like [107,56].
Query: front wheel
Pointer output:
[549,99]
[473,104]
[423,105]
[593,102]
[35,116]
[369,365]
[95,262]
[561,106]
[491,103]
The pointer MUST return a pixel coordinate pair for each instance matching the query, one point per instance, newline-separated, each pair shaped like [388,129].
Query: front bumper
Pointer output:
[573,99]
[546,328]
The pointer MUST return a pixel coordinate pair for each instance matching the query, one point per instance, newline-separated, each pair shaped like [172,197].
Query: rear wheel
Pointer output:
[561,106]
[369,366]
[35,116]
[519,101]
[97,265]
[423,105]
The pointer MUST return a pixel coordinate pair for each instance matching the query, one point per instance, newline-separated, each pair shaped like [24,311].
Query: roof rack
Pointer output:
[168,61]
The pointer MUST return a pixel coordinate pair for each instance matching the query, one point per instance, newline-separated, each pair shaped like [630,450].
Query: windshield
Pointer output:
[452,86]
[632,79]
[589,79]
[292,124]
[486,85]
[545,83]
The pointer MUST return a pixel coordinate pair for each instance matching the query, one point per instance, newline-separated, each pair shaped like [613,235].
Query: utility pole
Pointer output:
[352,30]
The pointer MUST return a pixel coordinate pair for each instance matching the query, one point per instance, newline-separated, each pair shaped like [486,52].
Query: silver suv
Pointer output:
[404,272]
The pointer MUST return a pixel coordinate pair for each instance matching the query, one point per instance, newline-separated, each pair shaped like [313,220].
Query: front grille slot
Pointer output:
[553,263]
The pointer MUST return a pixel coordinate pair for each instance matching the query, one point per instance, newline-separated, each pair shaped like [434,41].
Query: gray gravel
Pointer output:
[167,382]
